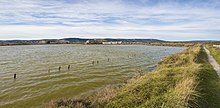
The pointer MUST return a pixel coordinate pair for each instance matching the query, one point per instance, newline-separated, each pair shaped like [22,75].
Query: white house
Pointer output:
[43,41]
[112,43]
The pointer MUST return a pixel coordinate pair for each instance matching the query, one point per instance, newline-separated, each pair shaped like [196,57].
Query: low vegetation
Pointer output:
[183,80]
[175,44]
[215,52]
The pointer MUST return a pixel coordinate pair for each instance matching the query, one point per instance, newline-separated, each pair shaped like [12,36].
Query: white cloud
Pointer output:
[30,19]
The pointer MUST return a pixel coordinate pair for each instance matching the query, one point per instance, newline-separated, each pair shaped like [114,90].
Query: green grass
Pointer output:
[215,52]
[182,80]
[210,87]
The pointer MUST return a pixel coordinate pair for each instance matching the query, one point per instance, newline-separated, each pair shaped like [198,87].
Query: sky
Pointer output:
[159,19]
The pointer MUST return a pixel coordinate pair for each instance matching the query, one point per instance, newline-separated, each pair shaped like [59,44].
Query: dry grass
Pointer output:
[184,95]
[69,103]
[98,100]
[103,96]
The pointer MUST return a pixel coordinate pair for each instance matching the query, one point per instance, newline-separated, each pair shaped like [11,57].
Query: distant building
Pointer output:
[87,42]
[44,42]
[94,41]
[104,42]
[112,43]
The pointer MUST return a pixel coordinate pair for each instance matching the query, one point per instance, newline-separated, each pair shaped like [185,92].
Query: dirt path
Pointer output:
[212,61]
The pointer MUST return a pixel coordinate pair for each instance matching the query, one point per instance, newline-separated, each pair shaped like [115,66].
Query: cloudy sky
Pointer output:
[159,19]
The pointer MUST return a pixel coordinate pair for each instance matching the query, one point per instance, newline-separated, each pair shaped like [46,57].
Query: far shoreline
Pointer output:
[172,44]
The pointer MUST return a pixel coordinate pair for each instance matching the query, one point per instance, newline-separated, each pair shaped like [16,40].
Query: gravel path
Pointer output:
[213,62]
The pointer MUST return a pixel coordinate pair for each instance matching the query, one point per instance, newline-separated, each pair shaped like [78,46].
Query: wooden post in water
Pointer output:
[14,76]
[97,62]
[108,59]
[93,62]
[59,68]
[68,67]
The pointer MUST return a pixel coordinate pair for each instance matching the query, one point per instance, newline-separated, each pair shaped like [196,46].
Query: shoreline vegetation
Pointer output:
[182,80]
[175,44]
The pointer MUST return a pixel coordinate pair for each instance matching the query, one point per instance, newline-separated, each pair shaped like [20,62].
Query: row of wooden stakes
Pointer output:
[59,68]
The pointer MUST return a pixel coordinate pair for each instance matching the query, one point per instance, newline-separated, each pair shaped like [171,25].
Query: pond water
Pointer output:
[39,79]
[217,46]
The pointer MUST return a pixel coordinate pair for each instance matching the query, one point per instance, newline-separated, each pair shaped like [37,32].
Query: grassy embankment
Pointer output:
[215,52]
[182,80]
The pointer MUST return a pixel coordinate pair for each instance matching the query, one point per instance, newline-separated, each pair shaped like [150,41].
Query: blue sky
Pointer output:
[160,19]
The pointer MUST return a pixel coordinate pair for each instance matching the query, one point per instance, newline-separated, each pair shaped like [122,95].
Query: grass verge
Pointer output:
[215,52]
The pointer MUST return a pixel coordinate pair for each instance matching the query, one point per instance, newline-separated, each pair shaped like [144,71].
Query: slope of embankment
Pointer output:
[182,80]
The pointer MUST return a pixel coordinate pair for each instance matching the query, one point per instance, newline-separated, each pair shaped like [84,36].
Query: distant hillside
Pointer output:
[71,40]
[82,40]
[200,41]
[110,39]
[75,39]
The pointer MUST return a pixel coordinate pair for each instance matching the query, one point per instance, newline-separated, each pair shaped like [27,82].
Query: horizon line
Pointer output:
[110,38]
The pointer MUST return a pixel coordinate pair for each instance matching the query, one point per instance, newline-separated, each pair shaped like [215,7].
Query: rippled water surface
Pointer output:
[39,79]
